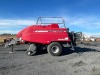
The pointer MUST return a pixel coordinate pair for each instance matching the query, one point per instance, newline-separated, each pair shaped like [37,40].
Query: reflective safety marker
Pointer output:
[66,38]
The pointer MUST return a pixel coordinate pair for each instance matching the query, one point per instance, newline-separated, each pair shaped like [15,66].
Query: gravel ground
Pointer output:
[85,60]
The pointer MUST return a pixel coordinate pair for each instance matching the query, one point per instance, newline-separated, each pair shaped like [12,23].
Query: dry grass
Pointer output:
[6,36]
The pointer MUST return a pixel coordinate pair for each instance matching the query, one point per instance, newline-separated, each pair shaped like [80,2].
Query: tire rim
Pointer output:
[55,49]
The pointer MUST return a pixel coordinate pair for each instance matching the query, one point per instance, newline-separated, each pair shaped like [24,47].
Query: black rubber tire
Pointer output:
[31,53]
[50,46]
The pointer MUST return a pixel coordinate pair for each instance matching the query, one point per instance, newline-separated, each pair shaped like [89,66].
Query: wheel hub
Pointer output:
[55,49]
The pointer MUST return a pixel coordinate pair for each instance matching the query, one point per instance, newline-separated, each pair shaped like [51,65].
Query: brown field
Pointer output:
[2,37]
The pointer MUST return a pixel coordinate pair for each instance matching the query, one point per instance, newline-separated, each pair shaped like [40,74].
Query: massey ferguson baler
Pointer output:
[50,36]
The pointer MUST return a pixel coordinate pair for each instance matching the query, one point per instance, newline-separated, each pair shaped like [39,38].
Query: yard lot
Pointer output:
[85,60]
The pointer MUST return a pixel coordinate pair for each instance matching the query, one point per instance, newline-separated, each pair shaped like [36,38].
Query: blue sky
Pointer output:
[79,15]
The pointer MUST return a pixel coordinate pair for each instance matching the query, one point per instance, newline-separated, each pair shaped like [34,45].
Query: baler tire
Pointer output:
[31,53]
[54,49]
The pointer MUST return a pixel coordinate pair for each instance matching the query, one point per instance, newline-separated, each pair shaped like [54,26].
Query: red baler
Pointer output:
[50,36]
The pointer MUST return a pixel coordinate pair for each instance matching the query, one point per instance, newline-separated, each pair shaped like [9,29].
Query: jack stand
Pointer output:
[72,47]
[12,50]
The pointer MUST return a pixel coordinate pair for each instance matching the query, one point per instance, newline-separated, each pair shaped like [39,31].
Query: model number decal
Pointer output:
[64,38]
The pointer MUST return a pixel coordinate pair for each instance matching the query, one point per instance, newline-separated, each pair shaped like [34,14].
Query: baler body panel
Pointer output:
[44,34]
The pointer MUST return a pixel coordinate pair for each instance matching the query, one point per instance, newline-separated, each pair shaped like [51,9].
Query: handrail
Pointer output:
[40,20]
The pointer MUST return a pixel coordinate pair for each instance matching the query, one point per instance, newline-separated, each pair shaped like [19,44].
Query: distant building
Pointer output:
[92,38]
[96,38]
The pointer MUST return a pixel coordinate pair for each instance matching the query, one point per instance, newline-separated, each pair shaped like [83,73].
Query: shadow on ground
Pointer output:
[79,50]
[66,51]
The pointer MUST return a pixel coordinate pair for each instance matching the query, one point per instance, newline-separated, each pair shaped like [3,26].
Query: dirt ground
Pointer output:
[85,60]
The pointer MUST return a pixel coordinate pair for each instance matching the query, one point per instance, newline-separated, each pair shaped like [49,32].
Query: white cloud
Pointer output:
[86,24]
[92,34]
[8,25]
[9,31]
[6,22]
